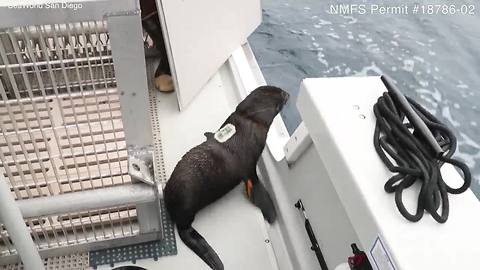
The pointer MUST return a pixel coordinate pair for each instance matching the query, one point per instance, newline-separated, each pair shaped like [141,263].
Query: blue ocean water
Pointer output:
[434,58]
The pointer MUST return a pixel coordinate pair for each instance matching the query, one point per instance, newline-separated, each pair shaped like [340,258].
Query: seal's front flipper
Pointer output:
[199,245]
[208,135]
[259,196]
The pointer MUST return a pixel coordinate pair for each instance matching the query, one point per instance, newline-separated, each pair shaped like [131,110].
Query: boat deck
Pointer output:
[233,226]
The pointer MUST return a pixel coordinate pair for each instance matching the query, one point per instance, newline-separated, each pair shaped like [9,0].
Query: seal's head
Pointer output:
[263,104]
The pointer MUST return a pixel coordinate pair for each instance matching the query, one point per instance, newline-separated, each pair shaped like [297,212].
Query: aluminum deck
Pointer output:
[233,226]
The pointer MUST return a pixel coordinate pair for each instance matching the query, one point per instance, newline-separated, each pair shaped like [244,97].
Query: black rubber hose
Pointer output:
[413,144]
[411,115]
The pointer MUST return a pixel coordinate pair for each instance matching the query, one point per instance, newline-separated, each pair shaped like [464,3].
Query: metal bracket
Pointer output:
[122,13]
[140,163]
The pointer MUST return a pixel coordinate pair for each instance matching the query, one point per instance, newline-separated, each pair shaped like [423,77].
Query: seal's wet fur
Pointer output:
[211,169]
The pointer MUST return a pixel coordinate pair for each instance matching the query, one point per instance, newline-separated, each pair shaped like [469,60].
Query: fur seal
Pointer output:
[213,168]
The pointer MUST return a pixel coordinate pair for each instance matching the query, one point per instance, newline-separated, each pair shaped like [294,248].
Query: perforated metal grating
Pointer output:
[74,262]
[151,250]
[160,175]
[77,261]
[62,132]
[59,57]
[61,128]
[78,143]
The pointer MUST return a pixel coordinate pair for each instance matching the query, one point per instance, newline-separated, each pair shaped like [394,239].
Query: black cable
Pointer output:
[415,155]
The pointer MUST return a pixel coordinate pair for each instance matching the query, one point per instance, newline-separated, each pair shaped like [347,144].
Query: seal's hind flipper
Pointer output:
[259,196]
[199,245]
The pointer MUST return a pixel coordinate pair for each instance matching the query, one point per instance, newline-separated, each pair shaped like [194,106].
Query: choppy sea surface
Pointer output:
[433,58]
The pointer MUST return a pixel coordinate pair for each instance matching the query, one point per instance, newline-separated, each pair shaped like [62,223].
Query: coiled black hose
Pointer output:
[416,159]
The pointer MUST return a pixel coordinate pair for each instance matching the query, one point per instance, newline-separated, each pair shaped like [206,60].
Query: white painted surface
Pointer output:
[343,266]
[298,144]
[307,179]
[201,35]
[236,231]
[233,226]
[345,143]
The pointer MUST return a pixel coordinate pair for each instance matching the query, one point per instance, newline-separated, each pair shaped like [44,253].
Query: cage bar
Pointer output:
[87,200]
[12,217]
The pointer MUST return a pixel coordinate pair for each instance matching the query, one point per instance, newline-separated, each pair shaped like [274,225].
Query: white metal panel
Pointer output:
[298,144]
[201,35]
[308,179]
[331,109]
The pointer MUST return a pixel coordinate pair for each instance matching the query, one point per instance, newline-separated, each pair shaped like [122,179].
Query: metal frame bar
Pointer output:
[12,218]
[129,59]
[87,200]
